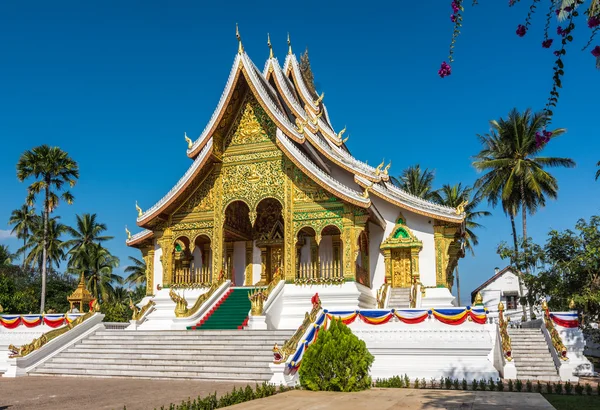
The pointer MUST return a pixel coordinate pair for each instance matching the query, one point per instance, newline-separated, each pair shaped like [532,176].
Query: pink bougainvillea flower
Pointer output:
[455,7]
[547,43]
[596,51]
[521,30]
[594,21]
[445,70]
[453,18]
[557,53]
[560,31]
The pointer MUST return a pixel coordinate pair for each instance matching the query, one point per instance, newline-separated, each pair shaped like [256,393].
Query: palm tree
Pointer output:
[598,172]
[97,264]
[514,175]
[137,272]
[5,256]
[417,182]
[453,196]
[33,251]
[22,219]
[52,169]
[88,232]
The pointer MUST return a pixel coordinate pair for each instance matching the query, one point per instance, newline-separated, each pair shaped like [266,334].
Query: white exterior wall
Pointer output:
[421,226]
[158,267]
[376,262]
[497,291]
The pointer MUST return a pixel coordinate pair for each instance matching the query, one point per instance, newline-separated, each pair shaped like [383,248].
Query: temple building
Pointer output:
[272,187]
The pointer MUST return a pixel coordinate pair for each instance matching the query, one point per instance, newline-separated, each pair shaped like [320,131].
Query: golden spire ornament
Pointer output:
[188,140]
[387,168]
[572,304]
[239,39]
[341,133]
[128,233]
[270,46]
[379,167]
[318,100]
[289,45]
[139,210]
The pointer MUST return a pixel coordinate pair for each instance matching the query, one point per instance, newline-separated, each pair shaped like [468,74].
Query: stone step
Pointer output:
[222,361]
[99,355]
[250,377]
[536,359]
[541,378]
[152,367]
[537,372]
[178,345]
[532,346]
[535,366]
[183,337]
[161,333]
[163,350]
[181,342]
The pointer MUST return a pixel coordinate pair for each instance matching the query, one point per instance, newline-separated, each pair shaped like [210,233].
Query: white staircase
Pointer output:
[399,298]
[240,355]
[532,356]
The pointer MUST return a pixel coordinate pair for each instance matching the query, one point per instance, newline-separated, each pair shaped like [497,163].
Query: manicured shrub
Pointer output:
[393,382]
[337,361]
[442,382]
[548,387]
[529,386]
[416,385]
[464,384]
[538,387]
[455,384]
[519,385]
[406,380]
[511,386]
[448,383]
[500,385]
[492,384]
[579,389]
[474,385]
[568,388]
[588,389]
[558,388]
[482,384]
[432,383]
[424,383]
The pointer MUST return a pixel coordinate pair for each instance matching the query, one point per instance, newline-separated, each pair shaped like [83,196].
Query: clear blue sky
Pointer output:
[116,84]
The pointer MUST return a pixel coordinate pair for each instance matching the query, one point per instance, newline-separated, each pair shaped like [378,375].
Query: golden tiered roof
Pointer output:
[81,295]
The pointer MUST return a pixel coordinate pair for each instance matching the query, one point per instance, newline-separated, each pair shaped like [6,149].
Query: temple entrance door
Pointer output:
[237,232]
[268,233]
[401,268]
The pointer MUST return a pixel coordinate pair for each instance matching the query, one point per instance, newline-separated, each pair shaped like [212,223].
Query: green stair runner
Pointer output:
[231,314]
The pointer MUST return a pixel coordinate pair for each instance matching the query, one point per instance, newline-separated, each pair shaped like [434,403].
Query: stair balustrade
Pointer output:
[503,328]
[324,272]
[557,342]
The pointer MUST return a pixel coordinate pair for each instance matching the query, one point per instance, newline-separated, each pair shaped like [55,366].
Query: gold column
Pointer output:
[150,272]
[218,221]
[387,259]
[414,258]
[289,239]
[314,254]
[263,265]
[447,252]
[349,243]
[167,256]
[249,265]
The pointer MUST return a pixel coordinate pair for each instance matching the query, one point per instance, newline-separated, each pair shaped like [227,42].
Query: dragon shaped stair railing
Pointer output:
[181,304]
[557,342]
[259,296]
[37,343]
[503,329]
[138,313]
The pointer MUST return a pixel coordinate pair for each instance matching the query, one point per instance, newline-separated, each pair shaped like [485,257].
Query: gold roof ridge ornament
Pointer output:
[461,207]
[289,45]
[139,210]
[387,168]
[342,133]
[188,140]
[365,193]
[239,39]
[128,233]
[270,46]
[379,167]
[300,125]
[478,299]
[316,119]
[318,100]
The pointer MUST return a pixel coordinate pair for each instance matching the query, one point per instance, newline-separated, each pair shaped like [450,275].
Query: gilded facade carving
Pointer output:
[447,252]
[401,254]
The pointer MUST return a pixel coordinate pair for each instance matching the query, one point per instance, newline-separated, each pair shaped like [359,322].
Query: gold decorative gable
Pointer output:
[401,236]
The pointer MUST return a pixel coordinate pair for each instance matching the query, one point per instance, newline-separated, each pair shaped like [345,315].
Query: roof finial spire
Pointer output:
[188,140]
[270,47]
[239,39]
[289,45]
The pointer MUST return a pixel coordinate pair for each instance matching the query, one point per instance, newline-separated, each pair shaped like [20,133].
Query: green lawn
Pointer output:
[561,402]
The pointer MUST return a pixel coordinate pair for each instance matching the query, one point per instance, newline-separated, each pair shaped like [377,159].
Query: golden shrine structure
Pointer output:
[273,187]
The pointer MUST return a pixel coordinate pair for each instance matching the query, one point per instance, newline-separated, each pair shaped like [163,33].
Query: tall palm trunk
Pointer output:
[515,262]
[24,245]
[457,286]
[45,247]
[526,242]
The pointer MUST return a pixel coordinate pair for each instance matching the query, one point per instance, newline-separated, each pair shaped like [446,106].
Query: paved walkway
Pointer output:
[76,393]
[406,399]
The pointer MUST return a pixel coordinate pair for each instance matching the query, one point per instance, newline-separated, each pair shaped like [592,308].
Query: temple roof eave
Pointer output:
[139,237]
[400,198]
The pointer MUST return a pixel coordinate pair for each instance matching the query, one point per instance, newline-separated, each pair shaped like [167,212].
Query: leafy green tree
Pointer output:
[45,239]
[23,220]
[87,232]
[337,361]
[136,271]
[417,181]
[52,170]
[6,256]
[97,263]
[453,196]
